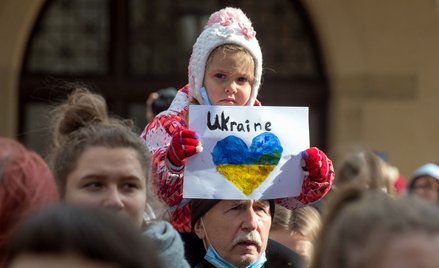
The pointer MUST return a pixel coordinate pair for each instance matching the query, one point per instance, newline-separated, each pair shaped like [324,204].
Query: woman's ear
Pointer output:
[199,230]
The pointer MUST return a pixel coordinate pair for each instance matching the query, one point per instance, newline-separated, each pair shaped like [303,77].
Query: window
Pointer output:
[129,48]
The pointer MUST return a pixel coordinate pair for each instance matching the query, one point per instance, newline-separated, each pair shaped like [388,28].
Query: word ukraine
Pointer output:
[225,124]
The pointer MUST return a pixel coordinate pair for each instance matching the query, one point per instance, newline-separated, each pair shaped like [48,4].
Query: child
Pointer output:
[225,69]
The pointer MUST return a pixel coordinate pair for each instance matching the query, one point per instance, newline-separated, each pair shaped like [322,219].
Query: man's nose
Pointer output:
[250,219]
[113,199]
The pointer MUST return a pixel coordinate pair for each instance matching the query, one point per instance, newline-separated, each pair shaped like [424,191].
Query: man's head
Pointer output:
[237,229]
[165,96]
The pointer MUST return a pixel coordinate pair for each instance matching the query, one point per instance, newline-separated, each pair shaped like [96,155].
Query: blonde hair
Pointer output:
[365,169]
[305,221]
[227,49]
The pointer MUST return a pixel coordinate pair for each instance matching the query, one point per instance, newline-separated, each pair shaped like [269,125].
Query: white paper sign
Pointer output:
[248,152]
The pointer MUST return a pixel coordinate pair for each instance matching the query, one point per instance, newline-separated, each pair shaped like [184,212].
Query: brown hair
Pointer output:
[26,184]
[81,122]
[365,169]
[359,223]
[60,229]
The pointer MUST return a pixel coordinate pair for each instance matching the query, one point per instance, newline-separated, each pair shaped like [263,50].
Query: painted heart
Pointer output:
[244,167]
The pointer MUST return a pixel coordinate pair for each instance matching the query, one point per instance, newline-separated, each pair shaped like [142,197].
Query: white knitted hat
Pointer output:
[226,26]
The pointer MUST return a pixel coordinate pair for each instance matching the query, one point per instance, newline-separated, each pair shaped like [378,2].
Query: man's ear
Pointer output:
[199,230]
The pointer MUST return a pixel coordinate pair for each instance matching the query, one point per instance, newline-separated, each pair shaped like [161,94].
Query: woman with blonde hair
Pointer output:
[297,229]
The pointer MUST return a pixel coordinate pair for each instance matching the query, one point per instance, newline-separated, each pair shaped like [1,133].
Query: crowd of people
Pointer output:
[107,197]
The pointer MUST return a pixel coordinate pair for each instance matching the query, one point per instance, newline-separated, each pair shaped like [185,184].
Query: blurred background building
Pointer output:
[368,69]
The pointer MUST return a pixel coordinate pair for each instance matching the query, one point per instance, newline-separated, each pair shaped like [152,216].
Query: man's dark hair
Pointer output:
[166,96]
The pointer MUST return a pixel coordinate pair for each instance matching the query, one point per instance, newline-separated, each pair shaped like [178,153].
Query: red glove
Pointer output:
[183,145]
[315,163]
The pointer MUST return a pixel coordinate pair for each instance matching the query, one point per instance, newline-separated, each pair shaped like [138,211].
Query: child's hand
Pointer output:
[183,144]
[315,163]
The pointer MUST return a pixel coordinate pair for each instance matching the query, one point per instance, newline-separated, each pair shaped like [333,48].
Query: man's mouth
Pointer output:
[248,243]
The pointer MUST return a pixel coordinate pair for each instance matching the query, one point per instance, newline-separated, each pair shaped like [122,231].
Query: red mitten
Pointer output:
[183,145]
[315,163]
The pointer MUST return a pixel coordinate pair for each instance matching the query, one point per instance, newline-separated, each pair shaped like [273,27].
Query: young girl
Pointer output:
[225,68]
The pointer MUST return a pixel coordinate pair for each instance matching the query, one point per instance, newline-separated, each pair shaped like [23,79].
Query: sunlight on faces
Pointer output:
[229,76]
[65,260]
[237,229]
[109,177]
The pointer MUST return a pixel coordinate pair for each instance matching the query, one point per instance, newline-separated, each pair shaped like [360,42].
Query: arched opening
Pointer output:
[129,48]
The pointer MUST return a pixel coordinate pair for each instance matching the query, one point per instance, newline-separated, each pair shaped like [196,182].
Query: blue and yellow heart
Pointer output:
[244,167]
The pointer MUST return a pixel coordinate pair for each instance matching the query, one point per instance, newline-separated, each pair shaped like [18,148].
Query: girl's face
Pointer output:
[109,177]
[229,78]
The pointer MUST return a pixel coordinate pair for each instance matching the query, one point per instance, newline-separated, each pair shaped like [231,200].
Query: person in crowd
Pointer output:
[159,101]
[368,170]
[424,183]
[225,68]
[369,228]
[235,233]
[99,161]
[70,236]
[297,229]
[26,185]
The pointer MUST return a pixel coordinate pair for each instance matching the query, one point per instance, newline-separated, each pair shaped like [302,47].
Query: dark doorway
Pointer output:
[126,49]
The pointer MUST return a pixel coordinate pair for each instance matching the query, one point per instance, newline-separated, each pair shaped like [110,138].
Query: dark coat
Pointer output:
[278,255]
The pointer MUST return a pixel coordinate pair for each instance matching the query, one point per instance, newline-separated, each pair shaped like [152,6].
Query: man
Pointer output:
[158,101]
[234,233]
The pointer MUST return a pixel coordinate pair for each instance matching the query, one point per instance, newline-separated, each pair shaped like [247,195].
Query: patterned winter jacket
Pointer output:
[168,184]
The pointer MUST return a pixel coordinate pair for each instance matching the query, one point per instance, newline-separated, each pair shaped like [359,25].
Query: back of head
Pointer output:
[306,221]
[360,223]
[364,169]
[281,219]
[92,233]
[165,98]
[297,229]
[81,109]
[82,122]
[26,184]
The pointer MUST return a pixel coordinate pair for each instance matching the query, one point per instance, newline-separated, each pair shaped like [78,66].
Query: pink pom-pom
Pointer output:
[247,31]
[228,16]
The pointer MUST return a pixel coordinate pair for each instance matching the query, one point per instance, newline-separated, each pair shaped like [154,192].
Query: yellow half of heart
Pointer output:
[245,177]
